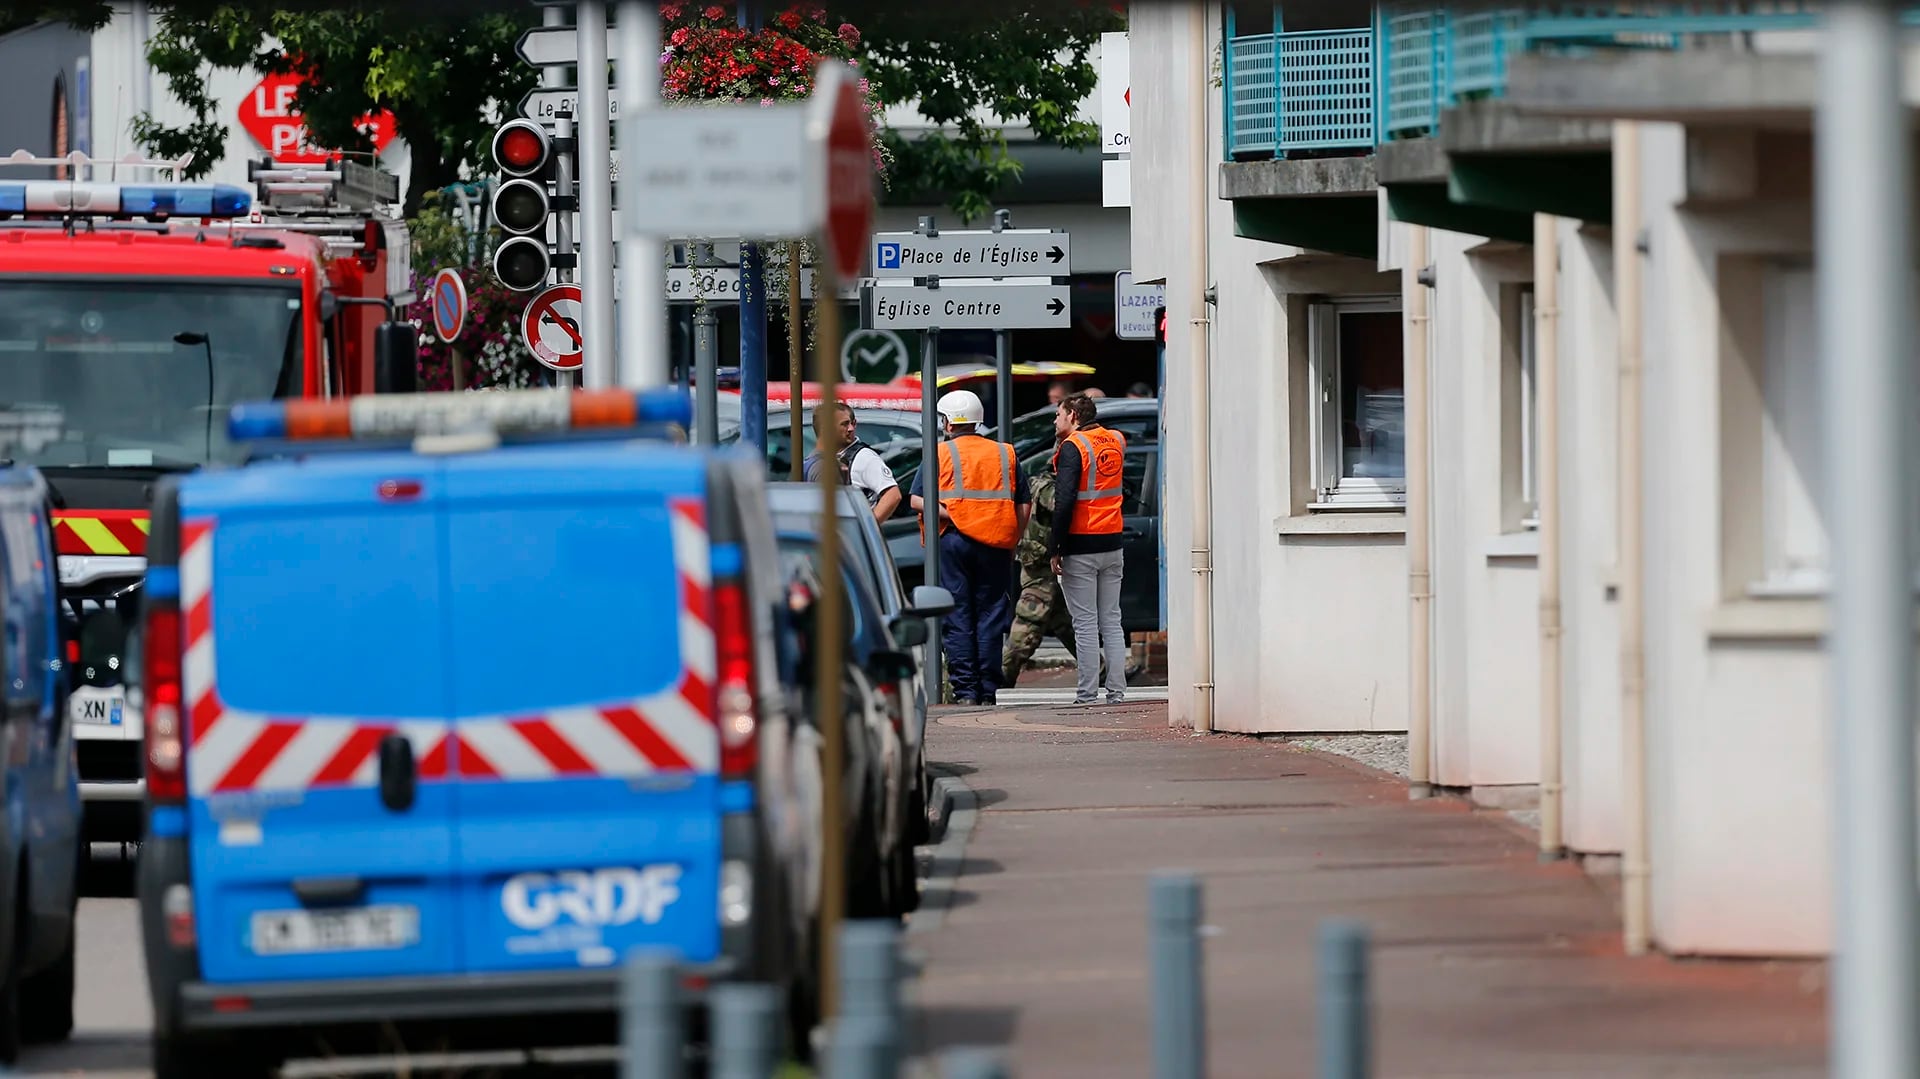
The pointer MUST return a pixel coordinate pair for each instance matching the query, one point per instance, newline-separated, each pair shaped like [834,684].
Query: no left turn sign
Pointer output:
[551,327]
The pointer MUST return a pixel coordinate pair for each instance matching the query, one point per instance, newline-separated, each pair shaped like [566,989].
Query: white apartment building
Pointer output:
[1368,237]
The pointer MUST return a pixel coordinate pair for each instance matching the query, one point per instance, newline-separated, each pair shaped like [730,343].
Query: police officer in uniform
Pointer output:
[860,465]
[983,508]
[1087,544]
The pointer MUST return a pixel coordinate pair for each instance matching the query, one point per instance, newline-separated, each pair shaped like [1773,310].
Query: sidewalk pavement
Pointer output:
[1485,961]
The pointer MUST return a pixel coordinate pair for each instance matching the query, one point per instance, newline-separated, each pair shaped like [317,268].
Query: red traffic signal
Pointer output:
[522,148]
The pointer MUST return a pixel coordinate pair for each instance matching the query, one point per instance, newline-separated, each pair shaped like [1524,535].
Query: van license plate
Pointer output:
[96,707]
[357,929]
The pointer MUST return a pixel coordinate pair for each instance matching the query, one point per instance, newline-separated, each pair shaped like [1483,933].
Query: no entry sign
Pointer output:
[551,327]
[449,304]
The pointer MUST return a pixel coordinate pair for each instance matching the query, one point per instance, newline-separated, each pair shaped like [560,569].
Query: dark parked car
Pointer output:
[1135,417]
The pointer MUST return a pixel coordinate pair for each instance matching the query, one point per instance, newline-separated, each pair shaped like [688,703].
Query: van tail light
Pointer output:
[166,721]
[736,709]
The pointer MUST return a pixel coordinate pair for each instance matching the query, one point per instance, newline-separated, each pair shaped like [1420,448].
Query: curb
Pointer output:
[958,809]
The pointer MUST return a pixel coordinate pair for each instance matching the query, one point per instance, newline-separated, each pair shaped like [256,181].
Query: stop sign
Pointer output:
[269,116]
[849,170]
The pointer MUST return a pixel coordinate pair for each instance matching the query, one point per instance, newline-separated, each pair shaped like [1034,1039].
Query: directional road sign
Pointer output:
[546,105]
[449,304]
[551,327]
[971,305]
[971,253]
[558,46]
[1133,307]
[874,356]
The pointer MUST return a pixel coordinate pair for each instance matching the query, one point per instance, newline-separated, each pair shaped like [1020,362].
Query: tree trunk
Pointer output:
[430,170]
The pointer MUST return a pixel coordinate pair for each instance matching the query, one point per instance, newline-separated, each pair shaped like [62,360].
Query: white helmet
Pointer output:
[961,406]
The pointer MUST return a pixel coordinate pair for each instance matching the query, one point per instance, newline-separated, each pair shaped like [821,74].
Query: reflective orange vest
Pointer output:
[1096,509]
[981,501]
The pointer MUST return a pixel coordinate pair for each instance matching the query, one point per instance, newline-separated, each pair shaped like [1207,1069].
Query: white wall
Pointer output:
[1738,777]
[1486,726]
[1589,611]
[1163,219]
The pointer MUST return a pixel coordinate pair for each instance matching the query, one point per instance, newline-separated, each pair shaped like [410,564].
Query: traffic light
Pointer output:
[521,207]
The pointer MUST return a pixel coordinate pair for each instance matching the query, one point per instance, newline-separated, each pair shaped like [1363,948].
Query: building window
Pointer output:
[1359,437]
[1528,426]
[1793,536]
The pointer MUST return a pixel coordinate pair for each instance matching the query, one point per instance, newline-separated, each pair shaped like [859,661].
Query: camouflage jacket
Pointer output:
[1032,550]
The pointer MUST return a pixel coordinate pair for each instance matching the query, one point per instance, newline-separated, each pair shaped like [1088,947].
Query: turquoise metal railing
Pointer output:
[1348,89]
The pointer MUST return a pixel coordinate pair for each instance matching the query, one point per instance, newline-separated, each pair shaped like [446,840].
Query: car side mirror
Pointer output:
[396,358]
[908,631]
[931,601]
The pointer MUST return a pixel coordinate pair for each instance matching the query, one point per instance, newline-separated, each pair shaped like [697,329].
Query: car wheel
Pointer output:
[176,1057]
[803,1002]
[905,892]
[919,825]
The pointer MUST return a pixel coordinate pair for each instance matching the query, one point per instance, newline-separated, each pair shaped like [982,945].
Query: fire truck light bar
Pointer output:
[124,200]
[410,414]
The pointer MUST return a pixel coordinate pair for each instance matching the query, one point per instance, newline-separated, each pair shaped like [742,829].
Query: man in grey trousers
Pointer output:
[1087,542]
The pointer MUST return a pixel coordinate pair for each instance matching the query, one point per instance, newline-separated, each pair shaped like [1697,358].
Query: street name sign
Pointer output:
[725,171]
[971,253]
[720,284]
[558,46]
[1133,308]
[971,305]
[546,105]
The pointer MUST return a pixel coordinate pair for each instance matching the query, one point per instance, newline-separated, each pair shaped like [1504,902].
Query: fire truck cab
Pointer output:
[133,316]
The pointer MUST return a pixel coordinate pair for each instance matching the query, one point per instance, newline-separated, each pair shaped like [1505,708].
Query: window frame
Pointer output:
[1332,491]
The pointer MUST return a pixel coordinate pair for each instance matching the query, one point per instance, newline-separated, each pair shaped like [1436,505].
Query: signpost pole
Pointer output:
[596,196]
[642,358]
[563,221]
[706,370]
[1003,354]
[930,493]
[796,324]
[753,347]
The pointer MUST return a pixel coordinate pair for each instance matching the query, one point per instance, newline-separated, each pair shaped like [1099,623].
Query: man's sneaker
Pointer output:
[1086,700]
[1116,698]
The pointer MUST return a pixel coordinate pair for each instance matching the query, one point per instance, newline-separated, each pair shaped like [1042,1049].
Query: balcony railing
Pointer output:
[1320,90]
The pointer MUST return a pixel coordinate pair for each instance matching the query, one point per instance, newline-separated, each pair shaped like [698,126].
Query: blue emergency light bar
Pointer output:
[124,200]
[409,414]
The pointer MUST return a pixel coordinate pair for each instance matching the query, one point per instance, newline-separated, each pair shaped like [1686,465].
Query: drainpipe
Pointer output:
[1546,374]
[1199,326]
[1634,894]
[1419,525]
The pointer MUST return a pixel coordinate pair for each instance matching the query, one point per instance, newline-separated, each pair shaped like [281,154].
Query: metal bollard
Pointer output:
[866,1034]
[1345,1047]
[745,1033]
[972,1064]
[1179,990]
[652,1033]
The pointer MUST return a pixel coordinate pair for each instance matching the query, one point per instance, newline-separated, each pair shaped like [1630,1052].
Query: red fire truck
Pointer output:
[133,315]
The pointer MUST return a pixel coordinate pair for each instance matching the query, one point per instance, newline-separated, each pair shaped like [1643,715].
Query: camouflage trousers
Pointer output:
[1039,613]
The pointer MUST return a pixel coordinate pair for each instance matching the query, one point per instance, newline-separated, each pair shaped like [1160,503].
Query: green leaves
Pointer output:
[972,73]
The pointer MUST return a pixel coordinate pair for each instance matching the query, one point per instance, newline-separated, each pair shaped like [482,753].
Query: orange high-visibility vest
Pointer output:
[980,497]
[1096,509]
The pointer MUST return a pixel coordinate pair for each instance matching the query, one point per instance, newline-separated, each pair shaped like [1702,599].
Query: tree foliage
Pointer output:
[435,74]
[1021,67]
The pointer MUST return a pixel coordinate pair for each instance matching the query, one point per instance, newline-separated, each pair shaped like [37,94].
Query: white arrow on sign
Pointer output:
[545,105]
[972,305]
[558,46]
[971,253]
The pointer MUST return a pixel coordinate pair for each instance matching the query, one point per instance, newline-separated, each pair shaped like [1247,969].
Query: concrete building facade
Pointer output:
[1378,206]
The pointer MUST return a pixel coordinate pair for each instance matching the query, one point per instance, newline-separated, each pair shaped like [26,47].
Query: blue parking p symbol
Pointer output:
[887,256]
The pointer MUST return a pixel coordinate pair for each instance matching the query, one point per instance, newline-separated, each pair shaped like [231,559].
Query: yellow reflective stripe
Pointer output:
[959,488]
[144,524]
[1107,492]
[96,535]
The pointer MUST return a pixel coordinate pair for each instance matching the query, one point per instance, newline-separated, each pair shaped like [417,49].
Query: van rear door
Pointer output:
[588,798]
[316,656]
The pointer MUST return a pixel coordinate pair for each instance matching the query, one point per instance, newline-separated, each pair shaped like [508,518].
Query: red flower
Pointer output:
[715,11]
[670,12]
[849,35]
[679,36]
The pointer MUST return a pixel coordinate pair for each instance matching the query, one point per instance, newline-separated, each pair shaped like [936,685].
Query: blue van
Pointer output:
[448,714]
[40,848]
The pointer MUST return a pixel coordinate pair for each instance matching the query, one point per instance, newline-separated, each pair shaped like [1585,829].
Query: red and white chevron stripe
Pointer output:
[670,731]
